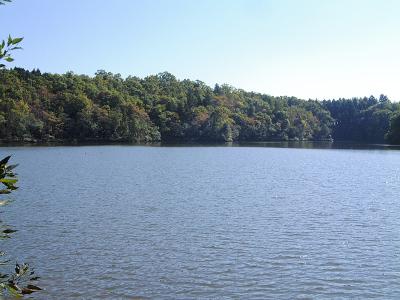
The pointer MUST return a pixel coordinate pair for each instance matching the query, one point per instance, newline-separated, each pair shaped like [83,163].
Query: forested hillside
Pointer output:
[108,108]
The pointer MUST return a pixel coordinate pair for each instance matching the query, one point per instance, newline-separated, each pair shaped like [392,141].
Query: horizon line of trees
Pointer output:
[47,107]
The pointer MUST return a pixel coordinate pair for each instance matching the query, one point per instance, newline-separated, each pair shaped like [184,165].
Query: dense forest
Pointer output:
[44,107]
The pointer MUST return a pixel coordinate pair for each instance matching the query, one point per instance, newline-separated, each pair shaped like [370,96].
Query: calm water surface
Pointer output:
[123,222]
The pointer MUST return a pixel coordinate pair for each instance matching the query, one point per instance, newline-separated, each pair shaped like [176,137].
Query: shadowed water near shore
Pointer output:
[267,144]
[259,222]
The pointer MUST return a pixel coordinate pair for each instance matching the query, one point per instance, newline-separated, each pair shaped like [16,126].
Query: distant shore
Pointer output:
[321,144]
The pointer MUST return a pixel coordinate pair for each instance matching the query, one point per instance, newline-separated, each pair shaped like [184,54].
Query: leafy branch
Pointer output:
[7,177]
[21,281]
[7,47]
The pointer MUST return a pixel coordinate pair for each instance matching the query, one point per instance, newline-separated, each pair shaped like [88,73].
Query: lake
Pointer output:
[137,222]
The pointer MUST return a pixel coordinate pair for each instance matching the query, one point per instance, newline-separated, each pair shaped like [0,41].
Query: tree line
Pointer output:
[44,107]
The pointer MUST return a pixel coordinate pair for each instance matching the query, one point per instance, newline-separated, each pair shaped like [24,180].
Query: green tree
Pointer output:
[393,136]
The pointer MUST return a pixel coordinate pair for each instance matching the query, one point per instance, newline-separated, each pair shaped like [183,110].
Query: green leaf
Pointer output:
[33,287]
[11,186]
[8,231]
[9,59]
[35,278]
[9,181]
[9,41]
[13,291]
[17,268]
[26,291]
[5,160]
[17,40]
[11,167]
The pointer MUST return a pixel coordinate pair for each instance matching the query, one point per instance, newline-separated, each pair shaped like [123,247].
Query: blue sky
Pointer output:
[305,48]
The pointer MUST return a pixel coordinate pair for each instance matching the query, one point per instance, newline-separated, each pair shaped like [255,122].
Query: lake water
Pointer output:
[133,222]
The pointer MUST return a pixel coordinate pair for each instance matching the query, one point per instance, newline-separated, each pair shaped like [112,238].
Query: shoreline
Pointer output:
[301,144]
